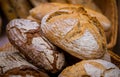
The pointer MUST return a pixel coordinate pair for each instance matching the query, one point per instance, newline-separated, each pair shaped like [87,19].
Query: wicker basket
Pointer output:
[109,9]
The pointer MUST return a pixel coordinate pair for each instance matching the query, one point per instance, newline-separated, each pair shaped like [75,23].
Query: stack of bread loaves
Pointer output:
[52,29]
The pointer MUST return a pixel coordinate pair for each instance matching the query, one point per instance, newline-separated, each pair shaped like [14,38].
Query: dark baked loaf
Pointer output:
[76,32]
[25,35]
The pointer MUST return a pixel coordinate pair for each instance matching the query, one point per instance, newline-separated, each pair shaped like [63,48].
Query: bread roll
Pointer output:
[41,10]
[25,35]
[12,64]
[91,68]
[73,30]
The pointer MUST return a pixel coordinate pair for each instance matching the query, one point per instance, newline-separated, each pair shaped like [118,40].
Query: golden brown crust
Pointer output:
[91,68]
[76,32]
[40,11]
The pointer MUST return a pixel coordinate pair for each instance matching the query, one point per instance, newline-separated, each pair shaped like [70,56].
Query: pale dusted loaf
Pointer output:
[91,68]
[73,30]
[41,10]
[25,35]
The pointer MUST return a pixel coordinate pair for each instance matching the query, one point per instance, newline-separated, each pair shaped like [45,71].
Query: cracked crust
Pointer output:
[40,11]
[25,35]
[12,64]
[91,68]
[76,32]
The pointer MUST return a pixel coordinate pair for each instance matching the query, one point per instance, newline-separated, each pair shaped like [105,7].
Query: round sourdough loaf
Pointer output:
[76,32]
[91,68]
[25,35]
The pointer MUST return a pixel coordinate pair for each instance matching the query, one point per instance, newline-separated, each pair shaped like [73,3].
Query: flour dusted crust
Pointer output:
[76,32]
[91,68]
[12,64]
[40,11]
[25,35]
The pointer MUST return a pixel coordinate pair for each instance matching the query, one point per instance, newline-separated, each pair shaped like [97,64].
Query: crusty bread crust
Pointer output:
[91,68]
[76,32]
[26,36]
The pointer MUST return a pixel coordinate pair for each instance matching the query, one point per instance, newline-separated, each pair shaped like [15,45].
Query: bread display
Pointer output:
[40,11]
[58,38]
[91,68]
[25,35]
[12,64]
[76,32]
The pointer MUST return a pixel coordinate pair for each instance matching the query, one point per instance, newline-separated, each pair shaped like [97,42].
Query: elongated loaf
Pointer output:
[91,68]
[76,32]
[25,35]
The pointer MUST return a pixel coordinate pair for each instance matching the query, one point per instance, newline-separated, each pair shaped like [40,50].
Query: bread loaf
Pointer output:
[25,35]
[73,30]
[12,64]
[91,68]
[40,11]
